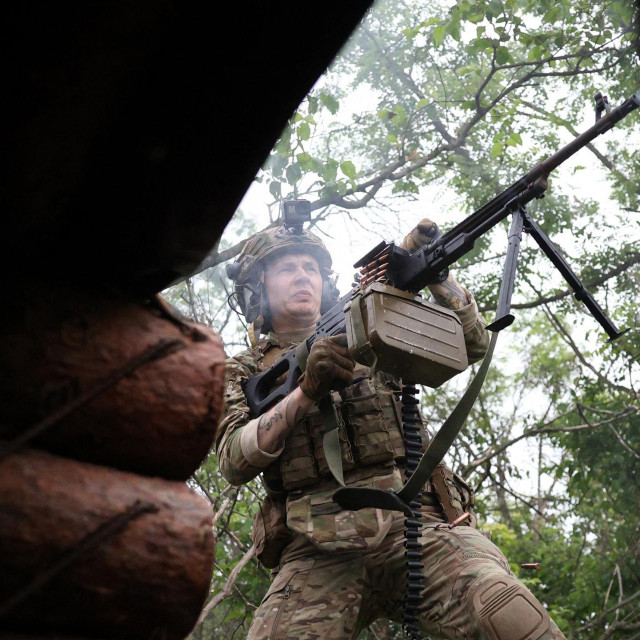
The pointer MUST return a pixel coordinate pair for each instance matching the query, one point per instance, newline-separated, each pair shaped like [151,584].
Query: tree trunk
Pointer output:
[121,384]
[90,551]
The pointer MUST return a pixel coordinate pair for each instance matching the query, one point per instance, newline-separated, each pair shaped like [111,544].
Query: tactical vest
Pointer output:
[369,423]
[369,426]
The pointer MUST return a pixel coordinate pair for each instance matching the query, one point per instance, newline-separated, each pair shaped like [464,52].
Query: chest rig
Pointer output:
[368,419]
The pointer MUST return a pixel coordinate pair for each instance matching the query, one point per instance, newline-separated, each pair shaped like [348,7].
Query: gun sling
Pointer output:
[355,498]
[331,438]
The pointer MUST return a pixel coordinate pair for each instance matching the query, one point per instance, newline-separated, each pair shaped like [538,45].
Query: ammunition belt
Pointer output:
[411,431]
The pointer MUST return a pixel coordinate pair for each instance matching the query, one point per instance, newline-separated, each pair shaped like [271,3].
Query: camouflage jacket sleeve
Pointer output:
[239,457]
[476,337]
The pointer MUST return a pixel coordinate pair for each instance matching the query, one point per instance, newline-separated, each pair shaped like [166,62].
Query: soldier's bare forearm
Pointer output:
[277,422]
[449,293]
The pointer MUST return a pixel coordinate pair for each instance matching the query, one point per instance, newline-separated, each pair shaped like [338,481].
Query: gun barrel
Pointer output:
[601,126]
[452,245]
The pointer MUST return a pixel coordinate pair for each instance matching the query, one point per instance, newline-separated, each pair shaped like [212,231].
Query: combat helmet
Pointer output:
[247,272]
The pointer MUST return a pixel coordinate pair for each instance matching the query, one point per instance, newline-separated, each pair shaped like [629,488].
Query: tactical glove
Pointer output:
[424,232]
[329,366]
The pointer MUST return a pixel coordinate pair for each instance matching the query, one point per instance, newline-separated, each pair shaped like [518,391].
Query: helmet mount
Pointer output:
[294,214]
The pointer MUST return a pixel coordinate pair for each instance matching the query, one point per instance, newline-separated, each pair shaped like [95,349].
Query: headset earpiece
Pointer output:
[330,293]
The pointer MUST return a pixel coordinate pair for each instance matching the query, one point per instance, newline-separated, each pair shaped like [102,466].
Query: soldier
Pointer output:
[337,571]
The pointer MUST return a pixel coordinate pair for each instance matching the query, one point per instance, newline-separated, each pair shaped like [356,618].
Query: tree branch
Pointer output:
[606,612]
[228,586]
[574,347]
[634,259]
[494,451]
[574,132]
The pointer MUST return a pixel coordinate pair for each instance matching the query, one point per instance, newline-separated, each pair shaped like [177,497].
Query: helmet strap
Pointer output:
[265,310]
[254,331]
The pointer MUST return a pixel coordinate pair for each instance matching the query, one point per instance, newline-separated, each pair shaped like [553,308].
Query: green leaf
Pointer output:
[316,166]
[330,102]
[276,189]
[480,44]
[302,158]
[405,186]
[423,103]
[293,173]
[496,149]
[341,187]
[552,15]
[495,7]
[330,171]
[502,55]
[348,168]
[303,131]
[453,29]
[400,114]
[283,146]
[438,35]
[313,104]
[535,53]
[307,163]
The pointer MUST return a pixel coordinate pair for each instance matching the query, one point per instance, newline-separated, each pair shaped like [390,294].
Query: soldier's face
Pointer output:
[294,289]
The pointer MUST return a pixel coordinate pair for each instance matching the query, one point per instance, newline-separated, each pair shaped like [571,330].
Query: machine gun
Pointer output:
[432,352]
[390,328]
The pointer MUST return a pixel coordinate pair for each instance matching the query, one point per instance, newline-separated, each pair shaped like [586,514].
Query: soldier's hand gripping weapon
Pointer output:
[390,328]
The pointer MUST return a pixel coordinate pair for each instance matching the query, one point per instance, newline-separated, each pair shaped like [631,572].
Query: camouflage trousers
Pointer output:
[334,596]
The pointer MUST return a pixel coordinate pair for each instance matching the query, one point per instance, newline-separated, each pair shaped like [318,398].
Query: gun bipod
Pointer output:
[521,221]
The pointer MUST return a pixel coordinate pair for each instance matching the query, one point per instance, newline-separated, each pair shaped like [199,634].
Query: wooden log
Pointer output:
[91,551]
[122,384]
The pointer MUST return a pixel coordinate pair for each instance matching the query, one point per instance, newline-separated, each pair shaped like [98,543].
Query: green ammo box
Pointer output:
[400,333]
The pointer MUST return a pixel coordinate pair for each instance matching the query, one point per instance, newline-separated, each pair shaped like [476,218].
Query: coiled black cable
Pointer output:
[411,431]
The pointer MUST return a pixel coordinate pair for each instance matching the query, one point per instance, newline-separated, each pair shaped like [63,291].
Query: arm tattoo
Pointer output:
[449,294]
[293,414]
[267,420]
[284,409]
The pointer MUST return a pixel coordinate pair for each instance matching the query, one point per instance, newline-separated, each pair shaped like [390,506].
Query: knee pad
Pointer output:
[508,610]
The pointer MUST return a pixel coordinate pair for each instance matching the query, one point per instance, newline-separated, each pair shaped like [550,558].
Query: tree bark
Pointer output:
[127,385]
[90,551]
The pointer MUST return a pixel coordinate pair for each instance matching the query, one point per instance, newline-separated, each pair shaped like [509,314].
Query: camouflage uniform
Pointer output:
[337,571]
